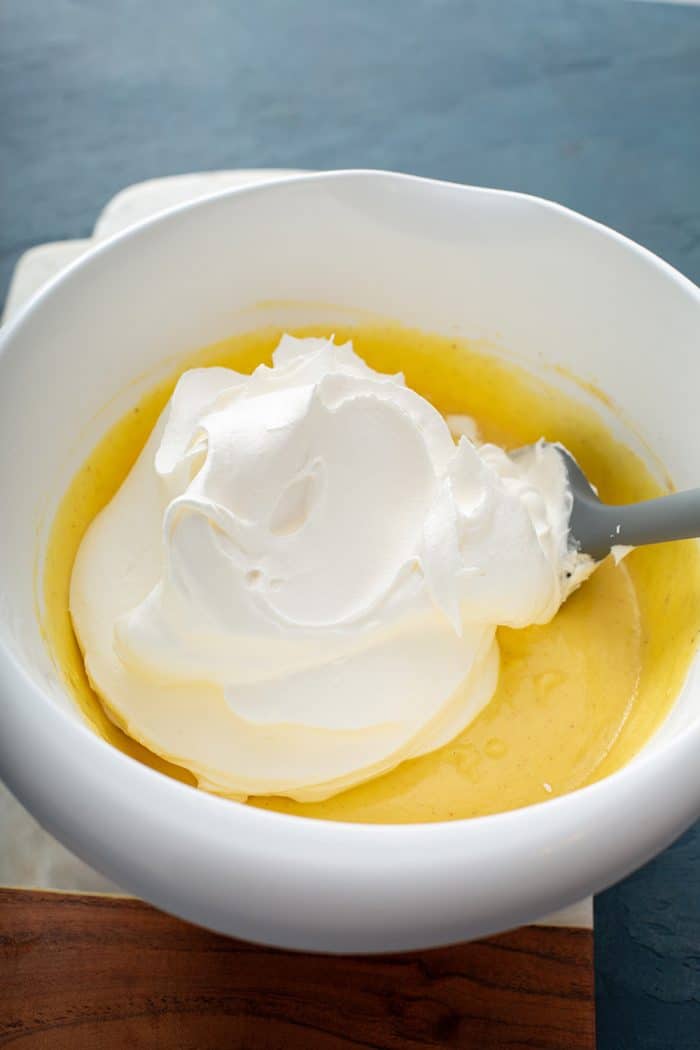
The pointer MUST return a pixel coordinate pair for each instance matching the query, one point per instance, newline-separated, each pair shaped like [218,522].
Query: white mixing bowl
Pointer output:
[542,282]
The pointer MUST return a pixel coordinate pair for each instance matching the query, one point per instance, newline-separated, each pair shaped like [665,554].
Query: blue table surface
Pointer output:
[595,104]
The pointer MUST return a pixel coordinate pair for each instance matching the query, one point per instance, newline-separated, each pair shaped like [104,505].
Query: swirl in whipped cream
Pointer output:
[298,585]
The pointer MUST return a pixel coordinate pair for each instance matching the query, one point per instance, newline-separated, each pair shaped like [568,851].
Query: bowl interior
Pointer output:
[528,277]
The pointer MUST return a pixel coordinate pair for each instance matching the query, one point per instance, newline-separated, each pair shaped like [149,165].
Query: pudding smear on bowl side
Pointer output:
[317,587]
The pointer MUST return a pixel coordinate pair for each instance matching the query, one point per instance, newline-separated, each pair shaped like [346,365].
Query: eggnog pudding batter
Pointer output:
[319,586]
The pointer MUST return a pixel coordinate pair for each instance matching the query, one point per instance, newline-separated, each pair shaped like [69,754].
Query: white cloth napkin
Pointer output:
[29,856]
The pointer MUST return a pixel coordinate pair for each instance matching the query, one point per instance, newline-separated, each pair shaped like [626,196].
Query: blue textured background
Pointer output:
[596,105]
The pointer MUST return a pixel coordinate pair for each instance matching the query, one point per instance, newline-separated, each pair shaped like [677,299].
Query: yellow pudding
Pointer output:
[576,697]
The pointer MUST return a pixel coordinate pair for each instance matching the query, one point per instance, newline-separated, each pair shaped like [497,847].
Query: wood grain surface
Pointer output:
[79,971]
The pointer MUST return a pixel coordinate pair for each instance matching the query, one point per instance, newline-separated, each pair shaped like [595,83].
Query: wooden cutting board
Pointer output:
[82,970]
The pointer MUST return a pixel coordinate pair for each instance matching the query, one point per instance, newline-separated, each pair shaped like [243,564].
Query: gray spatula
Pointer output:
[597,527]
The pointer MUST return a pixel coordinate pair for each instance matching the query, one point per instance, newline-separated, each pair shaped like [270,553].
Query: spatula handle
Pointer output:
[674,517]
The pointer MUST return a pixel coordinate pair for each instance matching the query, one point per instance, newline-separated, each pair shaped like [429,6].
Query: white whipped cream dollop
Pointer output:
[298,585]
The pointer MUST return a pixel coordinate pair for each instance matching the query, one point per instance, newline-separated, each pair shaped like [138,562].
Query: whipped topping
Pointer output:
[298,585]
